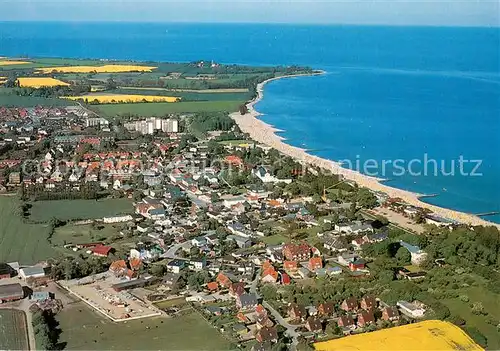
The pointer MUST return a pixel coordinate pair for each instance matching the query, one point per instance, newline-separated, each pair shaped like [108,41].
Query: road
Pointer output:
[290,329]
[171,252]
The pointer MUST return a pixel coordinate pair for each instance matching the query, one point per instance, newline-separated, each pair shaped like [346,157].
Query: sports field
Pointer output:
[84,329]
[25,243]
[13,330]
[43,211]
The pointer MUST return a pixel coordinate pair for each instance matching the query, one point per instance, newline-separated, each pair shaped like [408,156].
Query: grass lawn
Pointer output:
[84,329]
[163,108]
[13,330]
[80,234]
[171,303]
[26,243]
[491,303]
[43,211]
[275,239]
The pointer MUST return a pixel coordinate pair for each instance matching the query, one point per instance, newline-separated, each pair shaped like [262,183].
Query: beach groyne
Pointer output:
[265,133]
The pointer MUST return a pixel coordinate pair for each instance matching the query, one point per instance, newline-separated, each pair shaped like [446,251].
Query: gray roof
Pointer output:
[248,299]
[32,271]
[11,290]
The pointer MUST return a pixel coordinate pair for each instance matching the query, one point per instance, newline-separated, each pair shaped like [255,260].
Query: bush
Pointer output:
[476,335]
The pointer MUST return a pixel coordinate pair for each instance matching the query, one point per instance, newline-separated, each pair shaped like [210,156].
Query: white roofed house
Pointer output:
[354,227]
[265,175]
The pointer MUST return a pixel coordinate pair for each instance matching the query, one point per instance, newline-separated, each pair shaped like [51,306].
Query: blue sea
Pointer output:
[390,93]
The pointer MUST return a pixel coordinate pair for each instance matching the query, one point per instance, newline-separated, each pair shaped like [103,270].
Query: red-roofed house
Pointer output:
[234,160]
[294,252]
[285,279]
[290,266]
[223,280]
[315,263]
[101,250]
[213,286]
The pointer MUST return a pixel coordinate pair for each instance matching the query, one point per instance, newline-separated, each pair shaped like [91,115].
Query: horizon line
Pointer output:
[350,24]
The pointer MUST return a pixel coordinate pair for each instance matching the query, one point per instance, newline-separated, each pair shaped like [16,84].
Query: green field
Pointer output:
[163,108]
[83,329]
[13,330]
[491,303]
[80,234]
[43,211]
[26,243]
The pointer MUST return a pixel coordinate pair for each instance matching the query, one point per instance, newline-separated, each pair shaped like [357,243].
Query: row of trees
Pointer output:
[46,330]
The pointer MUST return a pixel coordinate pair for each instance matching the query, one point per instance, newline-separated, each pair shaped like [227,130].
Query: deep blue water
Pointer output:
[389,92]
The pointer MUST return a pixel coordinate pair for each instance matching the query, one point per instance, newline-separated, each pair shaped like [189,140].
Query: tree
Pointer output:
[403,256]
[476,335]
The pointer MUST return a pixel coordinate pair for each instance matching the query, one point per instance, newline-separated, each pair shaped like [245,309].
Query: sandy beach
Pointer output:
[266,134]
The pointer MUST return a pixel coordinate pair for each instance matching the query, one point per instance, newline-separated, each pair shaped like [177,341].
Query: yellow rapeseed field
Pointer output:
[122,98]
[10,63]
[98,69]
[426,335]
[38,82]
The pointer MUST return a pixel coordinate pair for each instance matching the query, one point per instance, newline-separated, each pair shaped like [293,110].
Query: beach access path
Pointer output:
[266,134]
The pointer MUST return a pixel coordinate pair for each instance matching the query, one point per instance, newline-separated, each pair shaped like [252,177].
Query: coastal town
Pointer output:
[210,217]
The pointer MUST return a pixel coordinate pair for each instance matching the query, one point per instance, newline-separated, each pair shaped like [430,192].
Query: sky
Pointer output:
[385,12]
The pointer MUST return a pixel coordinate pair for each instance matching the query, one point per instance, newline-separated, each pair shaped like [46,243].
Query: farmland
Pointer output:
[38,82]
[12,62]
[427,335]
[83,329]
[26,243]
[97,69]
[13,330]
[161,109]
[117,98]
[43,211]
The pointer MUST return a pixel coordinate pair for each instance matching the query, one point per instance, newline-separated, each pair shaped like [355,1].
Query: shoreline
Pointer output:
[265,133]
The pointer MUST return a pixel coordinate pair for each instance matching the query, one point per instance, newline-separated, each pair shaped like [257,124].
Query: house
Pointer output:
[417,255]
[31,272]
[247,301]
[265,175]
[175,266]
[101,250]
[315,263]
[346,322]
[365,318]
[11,292]
[326,309]
[350,304]
[296,312]
[199,241]
[413,309]
[334,270]
[198,264]
[357,264]
[356,227]
[390,314]
[118,268]
[269,275]
[285,279]
[237,289]
[267,335]
[213,286]
[290,266]
[214,310]
[368,303]
[313,324]
[336,244]
[241,241]
[297,252]
[263,321]
[223,280]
